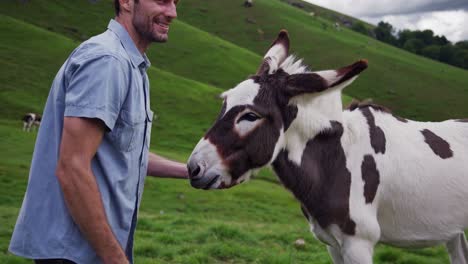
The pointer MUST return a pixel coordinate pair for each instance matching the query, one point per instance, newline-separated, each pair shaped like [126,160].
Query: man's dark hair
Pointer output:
[117,6]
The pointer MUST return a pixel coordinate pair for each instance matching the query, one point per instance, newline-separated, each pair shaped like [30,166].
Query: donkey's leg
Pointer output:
[28,127]
[356,250]
[458,249]
[335,254]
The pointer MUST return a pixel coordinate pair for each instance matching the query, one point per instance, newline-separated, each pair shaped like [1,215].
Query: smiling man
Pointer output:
[91,155]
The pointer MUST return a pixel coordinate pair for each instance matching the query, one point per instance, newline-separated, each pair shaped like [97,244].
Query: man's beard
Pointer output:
[145,28]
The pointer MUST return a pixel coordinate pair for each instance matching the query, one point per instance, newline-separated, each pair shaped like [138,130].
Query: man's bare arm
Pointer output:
[162,167]
[80,140]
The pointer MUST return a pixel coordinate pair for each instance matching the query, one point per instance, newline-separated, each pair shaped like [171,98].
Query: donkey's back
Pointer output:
[423,175]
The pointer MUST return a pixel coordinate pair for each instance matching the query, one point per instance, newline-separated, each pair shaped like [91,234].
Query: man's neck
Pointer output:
[141,44]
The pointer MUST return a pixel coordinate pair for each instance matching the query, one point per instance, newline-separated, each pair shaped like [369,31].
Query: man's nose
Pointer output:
[171,11]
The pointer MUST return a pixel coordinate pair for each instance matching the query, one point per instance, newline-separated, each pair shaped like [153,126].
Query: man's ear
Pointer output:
[276,54]
[126,6]
[315,82]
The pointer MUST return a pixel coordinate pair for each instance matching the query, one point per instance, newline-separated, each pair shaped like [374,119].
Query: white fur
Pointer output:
[313,116]
[243,94]
[331,76]
[210,161]
[244,127]
[293,66]
[274,56]
[278,147]
[421,199]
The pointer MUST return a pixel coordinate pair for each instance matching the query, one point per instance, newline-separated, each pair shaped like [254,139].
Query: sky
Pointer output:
[444,17]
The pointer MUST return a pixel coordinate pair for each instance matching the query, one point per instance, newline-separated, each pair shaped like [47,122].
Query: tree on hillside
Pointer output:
[360,27]
[432,51]
[414,45]
[465,59]
[421,42]
[447,54]
[462,44]
[384,32]
[460,58]
[404,36]
[426,36]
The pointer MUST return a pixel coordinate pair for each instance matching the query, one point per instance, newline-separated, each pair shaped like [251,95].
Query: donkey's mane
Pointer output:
[356,104]
[292,65]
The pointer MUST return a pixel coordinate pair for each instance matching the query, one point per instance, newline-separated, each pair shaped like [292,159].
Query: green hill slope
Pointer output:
[190,52]
[413,86]
[31,56]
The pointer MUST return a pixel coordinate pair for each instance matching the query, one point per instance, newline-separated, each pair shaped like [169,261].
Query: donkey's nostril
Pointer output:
[194,170]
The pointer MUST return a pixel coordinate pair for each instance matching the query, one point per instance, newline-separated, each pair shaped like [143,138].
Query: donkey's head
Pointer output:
[250,130]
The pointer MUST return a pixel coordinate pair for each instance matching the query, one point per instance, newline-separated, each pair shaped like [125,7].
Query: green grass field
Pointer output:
[211,48]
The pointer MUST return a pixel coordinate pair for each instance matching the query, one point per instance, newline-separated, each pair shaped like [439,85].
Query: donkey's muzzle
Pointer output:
[206,182]
[197,178]
[194,170]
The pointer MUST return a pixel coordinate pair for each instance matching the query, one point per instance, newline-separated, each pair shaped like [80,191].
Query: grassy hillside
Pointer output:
[329,15]
[25,86]
[256,222]
[191,53]
[413,86]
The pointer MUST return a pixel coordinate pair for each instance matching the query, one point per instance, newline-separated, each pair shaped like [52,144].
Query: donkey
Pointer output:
[31,120]
[362,175]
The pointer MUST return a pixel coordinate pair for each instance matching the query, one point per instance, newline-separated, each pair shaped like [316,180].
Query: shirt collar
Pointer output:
[138,60]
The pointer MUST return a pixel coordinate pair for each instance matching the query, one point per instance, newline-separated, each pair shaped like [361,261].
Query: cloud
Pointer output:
[447,23]
[444,17]
[370,8]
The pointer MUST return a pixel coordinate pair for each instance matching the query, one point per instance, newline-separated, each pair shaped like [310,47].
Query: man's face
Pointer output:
[151,18]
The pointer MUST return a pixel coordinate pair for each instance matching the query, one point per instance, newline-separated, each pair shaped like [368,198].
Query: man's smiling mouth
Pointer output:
[162,24]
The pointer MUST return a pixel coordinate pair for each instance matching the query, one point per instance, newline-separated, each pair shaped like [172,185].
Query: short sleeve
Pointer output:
[97,89]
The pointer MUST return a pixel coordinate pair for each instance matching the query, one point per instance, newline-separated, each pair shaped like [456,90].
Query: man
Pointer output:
[91,154]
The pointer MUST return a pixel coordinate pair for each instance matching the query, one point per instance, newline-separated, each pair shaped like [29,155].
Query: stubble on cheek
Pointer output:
[150,27]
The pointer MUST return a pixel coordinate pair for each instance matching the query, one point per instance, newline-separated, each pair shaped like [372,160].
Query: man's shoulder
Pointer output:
[102,45]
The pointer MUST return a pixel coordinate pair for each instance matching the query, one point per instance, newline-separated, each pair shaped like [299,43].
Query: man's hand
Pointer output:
[161,167]
[81,138]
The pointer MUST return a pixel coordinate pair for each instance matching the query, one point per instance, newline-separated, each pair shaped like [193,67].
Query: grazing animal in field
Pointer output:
[31,120]
[248,3]
[362,175]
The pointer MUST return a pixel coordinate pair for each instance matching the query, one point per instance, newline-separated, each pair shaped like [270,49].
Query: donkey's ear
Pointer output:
[320,81]
[277,53]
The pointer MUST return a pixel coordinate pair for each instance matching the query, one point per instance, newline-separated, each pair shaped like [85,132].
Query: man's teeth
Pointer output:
[163,25]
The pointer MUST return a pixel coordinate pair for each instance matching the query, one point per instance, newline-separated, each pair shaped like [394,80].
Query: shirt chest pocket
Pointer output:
[128,131]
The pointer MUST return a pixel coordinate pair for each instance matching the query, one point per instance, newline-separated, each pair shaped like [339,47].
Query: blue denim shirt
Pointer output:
[104,78]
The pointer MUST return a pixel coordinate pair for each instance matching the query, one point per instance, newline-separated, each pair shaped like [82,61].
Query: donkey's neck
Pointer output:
[324,105]
[314,114]
[313,167]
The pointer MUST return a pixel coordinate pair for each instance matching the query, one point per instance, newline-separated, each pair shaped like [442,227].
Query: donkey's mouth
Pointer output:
[212,182]
[204,182]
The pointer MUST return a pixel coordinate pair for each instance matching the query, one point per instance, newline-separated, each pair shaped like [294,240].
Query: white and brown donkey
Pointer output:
[361,175]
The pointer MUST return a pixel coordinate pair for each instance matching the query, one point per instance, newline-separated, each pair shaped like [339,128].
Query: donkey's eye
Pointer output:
[248,117]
